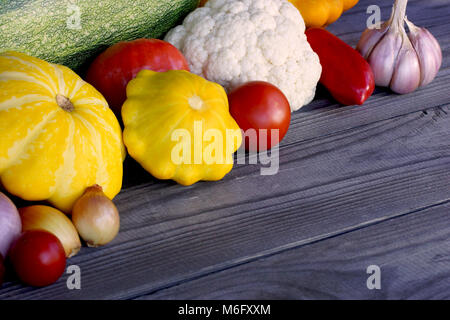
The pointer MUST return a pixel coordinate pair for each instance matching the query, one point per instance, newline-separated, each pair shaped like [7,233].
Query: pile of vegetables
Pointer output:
[230,66]
[38,239]
[234,42]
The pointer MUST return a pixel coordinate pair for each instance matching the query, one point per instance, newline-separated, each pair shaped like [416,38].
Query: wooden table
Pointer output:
[357,186]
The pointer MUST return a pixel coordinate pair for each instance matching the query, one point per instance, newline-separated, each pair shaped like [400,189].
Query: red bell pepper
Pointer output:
[345,73]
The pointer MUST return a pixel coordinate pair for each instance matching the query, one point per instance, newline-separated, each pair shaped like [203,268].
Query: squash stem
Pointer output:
[64,103]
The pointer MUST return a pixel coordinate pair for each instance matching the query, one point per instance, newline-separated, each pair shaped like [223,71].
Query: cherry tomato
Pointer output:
[38,258]
[260,105]
[114,68]
[2,269]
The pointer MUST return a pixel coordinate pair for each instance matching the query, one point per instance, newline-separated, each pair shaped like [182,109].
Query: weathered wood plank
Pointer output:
[412,251]
[325,187]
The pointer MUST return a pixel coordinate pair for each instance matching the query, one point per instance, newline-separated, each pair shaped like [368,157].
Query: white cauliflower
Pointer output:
[235,41]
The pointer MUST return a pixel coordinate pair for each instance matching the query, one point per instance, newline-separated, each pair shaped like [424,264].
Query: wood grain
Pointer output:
[412,251]
[341,169]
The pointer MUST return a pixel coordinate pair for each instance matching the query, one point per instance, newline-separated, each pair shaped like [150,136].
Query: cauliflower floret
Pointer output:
[235,41]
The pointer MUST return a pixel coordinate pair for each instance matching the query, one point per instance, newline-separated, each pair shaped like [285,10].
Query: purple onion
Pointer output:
[10,224]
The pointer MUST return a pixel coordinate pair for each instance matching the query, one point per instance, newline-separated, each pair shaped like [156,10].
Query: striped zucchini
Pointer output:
[71,32]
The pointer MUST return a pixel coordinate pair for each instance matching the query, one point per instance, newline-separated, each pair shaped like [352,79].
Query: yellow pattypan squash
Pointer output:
[178,126]
[58,135]
[319,13]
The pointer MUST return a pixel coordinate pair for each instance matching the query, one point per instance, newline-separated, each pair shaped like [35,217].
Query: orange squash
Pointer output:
[319,13]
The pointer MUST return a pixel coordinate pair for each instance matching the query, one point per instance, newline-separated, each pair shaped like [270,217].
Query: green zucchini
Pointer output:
[72,32]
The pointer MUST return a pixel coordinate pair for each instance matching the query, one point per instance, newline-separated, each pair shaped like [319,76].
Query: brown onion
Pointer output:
[96,217]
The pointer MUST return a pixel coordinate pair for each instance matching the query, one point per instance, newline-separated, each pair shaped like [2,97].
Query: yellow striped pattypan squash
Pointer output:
[178,126]
[319,13]
[58,135]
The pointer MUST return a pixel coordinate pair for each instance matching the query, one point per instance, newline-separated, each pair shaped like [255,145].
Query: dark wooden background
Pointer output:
[357,186]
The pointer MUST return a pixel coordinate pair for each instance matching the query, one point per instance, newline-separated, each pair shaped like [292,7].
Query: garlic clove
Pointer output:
[416,32]
[429,64]
[383,57]
[428,51]
[434,44]
[406,77]
[368,40]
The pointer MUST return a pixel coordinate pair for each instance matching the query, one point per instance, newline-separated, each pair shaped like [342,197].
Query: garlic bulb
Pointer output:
[400,61]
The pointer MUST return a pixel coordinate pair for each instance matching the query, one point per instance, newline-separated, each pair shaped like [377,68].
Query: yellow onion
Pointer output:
[96,217]
[54,221]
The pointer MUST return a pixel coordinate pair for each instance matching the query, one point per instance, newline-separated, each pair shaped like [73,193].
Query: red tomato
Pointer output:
[260,105]
[38,258]
[114,68]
